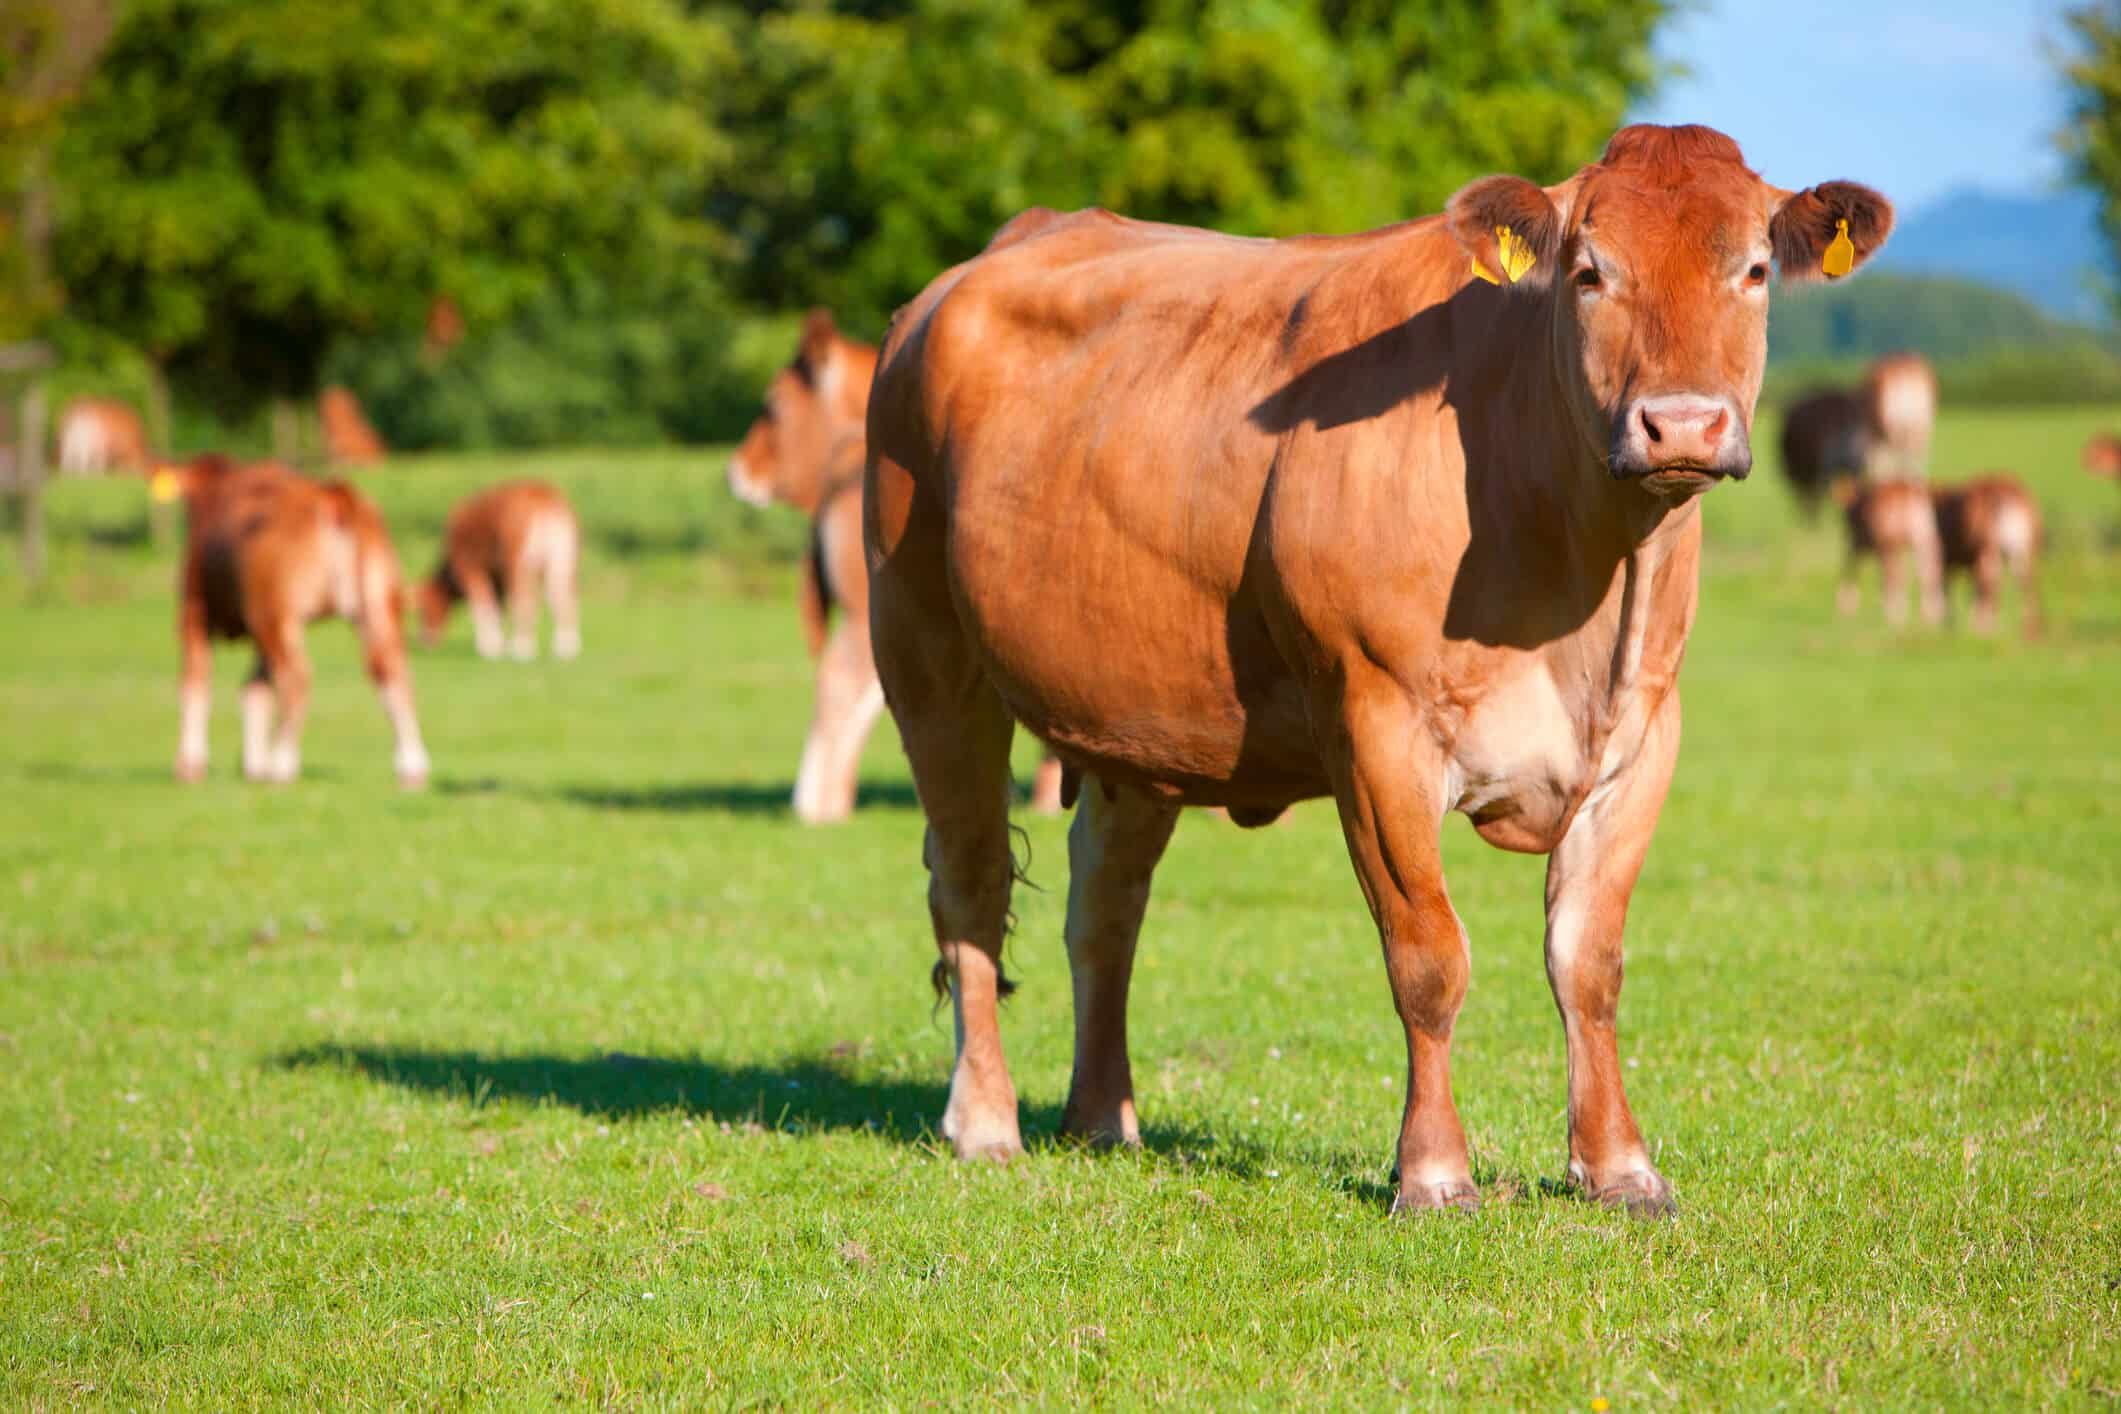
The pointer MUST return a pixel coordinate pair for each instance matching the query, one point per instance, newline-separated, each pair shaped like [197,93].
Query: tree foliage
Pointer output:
[2092,137]
[248,180]
[884,141]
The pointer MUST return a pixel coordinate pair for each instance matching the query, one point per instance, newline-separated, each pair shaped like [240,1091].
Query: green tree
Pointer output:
[2092,138]
[884,141]
[251,181]
[47,48]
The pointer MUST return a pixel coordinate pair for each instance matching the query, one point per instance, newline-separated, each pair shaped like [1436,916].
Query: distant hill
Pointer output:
[1880,311]
[2044,247]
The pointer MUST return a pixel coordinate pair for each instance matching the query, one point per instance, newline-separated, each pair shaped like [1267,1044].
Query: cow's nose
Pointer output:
[1681,431]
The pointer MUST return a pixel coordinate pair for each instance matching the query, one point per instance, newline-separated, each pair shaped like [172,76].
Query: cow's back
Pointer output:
[1074,435]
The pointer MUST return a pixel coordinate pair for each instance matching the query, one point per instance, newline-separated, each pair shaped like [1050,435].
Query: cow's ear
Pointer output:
[1511,231]
[1826,231]
[818,354]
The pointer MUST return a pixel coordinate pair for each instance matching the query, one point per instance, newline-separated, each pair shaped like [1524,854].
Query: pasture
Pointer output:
[589,1076]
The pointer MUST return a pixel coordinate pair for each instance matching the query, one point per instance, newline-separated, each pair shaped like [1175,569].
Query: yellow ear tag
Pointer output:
[164,486]
[1516,254]
[1482,272]
[1840,252]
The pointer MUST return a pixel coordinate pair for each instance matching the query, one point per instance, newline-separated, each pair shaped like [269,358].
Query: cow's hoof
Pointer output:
[994,1139]
[191,772]
[1453,1195]
[994,1149]
[1642,1192]
[1114,1128]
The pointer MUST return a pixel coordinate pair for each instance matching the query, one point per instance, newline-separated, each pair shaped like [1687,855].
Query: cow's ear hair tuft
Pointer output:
[1825,232]
[1510,229]
[817,356]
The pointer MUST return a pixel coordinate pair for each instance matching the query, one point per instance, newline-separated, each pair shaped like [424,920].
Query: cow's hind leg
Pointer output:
[956,732]
[194,692]
[1113,848]
[1589,878]
[288,661]
[1392,822]
[523,609]
[563,598]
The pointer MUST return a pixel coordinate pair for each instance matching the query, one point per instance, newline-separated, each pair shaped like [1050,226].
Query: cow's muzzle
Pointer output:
[1679,443]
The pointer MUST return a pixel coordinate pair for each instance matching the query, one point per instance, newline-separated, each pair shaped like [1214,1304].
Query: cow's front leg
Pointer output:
[1384,783]
[1589,878]
[1113,848]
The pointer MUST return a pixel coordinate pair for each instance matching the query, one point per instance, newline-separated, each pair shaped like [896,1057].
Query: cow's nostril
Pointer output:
[1649,426]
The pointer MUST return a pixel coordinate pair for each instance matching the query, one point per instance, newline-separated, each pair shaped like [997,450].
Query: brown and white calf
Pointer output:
[805,449]
[98,435]
[503,545]
[267,551]
[2102,456]
[1990,527]
[1895,523]
[1407,518]
[1900,404]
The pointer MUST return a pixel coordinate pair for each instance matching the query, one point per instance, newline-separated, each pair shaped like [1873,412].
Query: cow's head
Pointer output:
[1655,262]
[818,399]
[2102,457]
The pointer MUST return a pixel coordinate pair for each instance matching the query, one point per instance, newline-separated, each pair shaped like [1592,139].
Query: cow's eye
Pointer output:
[1588,278]
[1757,275]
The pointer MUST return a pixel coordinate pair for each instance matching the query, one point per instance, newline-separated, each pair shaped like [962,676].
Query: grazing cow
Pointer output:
[98,435]
[348,438]
[1986,527]
[806,450]
[502,545]
[1825,435]
[266,551]
[1895,523]
[2102,456]
[1406,518]
[1900,402]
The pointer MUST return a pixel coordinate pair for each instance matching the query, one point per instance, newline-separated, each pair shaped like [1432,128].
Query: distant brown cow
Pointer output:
[503,545]
[1894,523]
[2102,457]
[806,450]
[1408,518]
[98,435]
[348,438]
[267,551]
[1988,527]
[1900,400]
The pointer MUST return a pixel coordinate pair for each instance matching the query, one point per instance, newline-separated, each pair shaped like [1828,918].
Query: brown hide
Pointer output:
[1232,521]
[266,552]
[2102,457]
[1893,523]
[1825,434]
[1990,527]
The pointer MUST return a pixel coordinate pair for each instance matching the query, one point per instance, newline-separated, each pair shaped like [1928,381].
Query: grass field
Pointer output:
[588,1076]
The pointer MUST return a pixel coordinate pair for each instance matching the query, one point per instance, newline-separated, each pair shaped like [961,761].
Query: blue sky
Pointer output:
[1917,99]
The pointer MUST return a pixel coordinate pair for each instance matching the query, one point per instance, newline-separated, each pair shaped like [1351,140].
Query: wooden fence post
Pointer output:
[29,465]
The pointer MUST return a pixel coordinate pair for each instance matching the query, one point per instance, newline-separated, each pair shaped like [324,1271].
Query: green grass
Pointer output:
[589,1076]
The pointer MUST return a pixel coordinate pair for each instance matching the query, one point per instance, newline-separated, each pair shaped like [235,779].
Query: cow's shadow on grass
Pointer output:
[818,1094]
[729,797]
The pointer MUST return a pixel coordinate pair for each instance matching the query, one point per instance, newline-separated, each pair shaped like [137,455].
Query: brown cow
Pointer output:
[1986,527]
[1894,522]
[806,450]
[267,551]
[2102,456]
[1240,522]
[502,545]
[349,440]
[98,435]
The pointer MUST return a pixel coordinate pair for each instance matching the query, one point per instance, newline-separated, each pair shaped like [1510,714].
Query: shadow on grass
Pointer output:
[730,797]
[799,1095]
[74,773]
